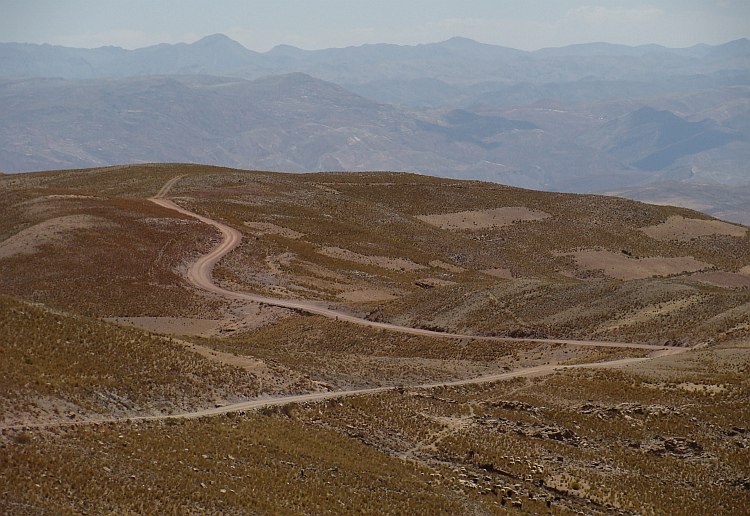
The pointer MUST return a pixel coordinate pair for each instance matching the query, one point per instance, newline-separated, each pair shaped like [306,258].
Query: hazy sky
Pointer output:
[308,24]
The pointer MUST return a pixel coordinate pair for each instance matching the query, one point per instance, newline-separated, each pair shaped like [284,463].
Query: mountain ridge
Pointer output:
[101,58]
[298,123]
[391,109]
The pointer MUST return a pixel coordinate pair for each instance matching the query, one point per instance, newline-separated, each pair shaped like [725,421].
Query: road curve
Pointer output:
[200,275]
[164,190]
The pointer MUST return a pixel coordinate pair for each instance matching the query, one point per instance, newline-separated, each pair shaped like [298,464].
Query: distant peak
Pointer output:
[285,50]
[216,39]
[460,39]
[737,43]
[285,47]
[736,48]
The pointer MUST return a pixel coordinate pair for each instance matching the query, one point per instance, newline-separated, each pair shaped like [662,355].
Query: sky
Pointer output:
[309,24]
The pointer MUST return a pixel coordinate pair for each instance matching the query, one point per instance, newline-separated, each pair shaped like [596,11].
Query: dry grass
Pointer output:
[228,465]
[670,439]
[483,219]
[52,362]
[680,228]
[616,441]
[346,356]
[128,265]
[651,311]
[586,441]
[368,215]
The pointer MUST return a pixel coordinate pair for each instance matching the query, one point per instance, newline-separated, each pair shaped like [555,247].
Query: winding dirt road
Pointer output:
[200,275]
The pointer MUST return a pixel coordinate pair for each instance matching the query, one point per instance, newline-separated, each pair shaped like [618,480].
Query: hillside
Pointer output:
[530,351]
[295,123]
[726,202]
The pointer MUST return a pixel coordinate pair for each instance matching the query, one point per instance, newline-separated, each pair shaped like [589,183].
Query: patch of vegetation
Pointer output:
[53,361]
[224,465]
[672,439]
[656,311]
[591,441]
[347,355]
[127,265]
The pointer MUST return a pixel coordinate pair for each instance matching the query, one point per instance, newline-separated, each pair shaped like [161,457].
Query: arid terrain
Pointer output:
[184,339]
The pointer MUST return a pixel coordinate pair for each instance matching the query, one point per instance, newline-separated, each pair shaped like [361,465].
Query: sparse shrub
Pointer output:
[22,438]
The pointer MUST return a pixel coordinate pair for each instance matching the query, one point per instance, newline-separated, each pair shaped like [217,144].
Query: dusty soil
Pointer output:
[47,232]
[396,264]
[499,273]
[170,325]
[267,228]
[239,317]
[483,219]
[689,369]
[680,228]
[620,266]
[723,279]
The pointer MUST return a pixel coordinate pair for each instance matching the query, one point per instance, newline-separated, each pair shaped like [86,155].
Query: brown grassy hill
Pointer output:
[60,367]
[726,202]
[398,247]
[83,248]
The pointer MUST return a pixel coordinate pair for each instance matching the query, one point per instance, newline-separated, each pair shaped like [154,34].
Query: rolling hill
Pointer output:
[515,350]
[406,342]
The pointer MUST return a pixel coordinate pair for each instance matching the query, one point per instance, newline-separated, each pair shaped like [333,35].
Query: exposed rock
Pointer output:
[676,446]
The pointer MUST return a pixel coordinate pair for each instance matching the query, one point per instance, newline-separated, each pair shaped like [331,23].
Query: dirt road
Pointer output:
[200,275]
[320,396]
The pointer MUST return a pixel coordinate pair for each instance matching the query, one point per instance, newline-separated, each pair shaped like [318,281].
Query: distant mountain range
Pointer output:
[459,71]
[578,118]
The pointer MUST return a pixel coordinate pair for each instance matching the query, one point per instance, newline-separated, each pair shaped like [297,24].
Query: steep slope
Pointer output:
[652,140]
[61,367]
